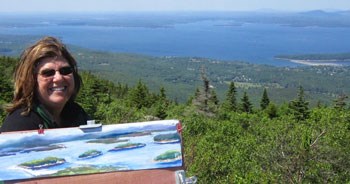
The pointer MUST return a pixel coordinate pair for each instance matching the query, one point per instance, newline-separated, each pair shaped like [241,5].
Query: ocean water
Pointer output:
[216,39]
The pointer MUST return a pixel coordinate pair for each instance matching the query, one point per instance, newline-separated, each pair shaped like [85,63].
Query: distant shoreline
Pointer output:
[328,62]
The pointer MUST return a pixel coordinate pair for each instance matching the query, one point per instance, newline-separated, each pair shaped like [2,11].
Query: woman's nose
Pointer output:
[57,76]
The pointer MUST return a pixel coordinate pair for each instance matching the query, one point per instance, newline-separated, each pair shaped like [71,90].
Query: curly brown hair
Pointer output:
[25,77]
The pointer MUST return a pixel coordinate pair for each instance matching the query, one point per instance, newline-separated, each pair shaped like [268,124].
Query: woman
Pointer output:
[46,84]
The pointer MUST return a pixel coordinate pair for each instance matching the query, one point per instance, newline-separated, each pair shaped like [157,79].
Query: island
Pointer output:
[128,146]
[169,156]
[107,141]
[43,148]
[42,163]
[167,138]
[90,154]
[87,170]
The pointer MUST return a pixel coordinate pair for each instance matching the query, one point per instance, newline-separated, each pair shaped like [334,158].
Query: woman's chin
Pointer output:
[58,101]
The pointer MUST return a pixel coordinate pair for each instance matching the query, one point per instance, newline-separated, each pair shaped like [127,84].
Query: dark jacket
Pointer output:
[72,115]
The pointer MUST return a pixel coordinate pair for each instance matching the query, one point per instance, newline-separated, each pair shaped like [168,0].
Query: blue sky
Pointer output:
[169,5]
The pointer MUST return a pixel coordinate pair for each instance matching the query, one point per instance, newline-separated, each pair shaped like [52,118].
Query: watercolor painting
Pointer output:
[75,151]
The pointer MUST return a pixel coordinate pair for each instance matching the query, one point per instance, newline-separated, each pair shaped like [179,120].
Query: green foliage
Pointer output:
[140,96]
[95,91]
[161,108]
[205,99]
[7,65]
[340,102]
[230,103]
[299,106]
[246,105]
[271,110]
[287,143]
[116,112]
[265,101]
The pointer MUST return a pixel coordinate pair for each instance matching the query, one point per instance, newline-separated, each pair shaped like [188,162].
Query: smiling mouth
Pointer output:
[58,88]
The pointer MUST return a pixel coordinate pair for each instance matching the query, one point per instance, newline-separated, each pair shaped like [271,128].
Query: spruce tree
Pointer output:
[6,90]
[299,106]
[162,95]
[203,99]
[206,89]
[265,101]
[87,97]
[271,111]
[213,98]
[162,104]
[213,101]
[161,111]
[197,93]
[246,105]
[340,102]
[230,103]
[7,65]
[139,96]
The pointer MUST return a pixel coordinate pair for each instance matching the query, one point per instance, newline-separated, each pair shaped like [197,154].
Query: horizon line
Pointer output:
[265,10]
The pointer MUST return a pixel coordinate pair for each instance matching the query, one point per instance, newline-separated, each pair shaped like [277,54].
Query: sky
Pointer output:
[169,5]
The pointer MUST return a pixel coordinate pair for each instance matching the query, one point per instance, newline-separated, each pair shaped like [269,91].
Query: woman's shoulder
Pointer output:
[73,108]
[15,121]
[75,115]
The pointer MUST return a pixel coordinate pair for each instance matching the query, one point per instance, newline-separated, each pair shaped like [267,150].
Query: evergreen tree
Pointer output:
[7,65]
[6,91]
[230,103]
[213,101]
[206,89]
[197,93]
[299,106]
[340,102]
[121,90]
[246,105]
[161,110]
[203,99]
[162,94]
[214,98]
[139,96]
[162,104]
[319,104]
[95,92]
[89,94]
[265,101]
[271,111]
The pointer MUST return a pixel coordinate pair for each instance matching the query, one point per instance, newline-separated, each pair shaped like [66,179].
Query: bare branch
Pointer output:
[321,134]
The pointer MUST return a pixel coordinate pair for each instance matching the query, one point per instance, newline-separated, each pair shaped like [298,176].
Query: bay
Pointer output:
[223,39]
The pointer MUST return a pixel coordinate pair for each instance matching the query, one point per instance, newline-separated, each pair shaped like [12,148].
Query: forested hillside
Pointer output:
[180,76]
[229,140]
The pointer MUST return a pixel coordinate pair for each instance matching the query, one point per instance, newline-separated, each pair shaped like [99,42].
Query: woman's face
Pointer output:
[55,82]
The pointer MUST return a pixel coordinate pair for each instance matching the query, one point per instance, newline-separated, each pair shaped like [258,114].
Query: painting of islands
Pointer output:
[75,151]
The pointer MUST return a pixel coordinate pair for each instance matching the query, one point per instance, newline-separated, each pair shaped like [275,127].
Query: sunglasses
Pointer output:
[51,72]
